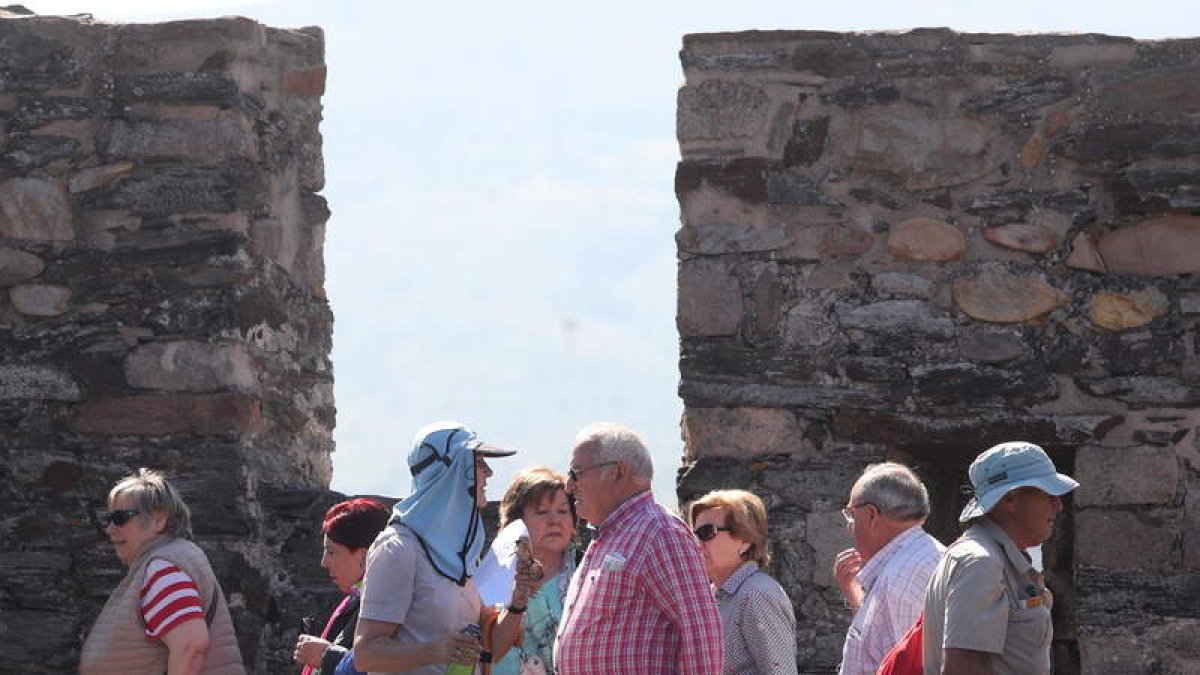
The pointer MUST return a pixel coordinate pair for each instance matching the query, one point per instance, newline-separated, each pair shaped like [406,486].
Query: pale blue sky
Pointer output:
[501,249]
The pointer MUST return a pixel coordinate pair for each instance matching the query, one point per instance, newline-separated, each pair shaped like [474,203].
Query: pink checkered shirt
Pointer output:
[640,602]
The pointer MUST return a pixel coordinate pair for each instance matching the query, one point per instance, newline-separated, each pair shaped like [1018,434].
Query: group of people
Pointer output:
[647,594]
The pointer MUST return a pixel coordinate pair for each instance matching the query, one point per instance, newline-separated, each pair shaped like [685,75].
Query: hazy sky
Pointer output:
[502,249]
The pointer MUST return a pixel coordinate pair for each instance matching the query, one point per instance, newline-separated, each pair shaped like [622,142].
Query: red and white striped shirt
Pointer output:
[640,601]
[169,597]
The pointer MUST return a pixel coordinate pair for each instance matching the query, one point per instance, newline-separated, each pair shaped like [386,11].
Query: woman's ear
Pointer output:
[360,554]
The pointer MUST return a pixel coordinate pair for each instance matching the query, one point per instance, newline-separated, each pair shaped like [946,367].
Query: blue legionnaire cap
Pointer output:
[1003,468]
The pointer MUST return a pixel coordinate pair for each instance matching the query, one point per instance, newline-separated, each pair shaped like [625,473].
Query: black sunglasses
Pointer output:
[119,517]
[708,531]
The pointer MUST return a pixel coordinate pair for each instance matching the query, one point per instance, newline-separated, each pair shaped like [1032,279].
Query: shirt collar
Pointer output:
[623,513]
[1018,558]
[739,576]
[874,566]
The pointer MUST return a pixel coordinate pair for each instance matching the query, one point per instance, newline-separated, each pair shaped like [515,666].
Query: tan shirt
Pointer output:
[402,587]
[985,596]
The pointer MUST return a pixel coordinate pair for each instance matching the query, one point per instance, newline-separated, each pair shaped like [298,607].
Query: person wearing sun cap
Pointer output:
[418,594]
[986,608]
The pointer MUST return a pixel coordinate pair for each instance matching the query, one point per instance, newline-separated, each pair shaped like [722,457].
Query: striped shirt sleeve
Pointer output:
[169,597]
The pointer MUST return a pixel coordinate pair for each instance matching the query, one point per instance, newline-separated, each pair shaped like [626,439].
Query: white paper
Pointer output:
[497,573]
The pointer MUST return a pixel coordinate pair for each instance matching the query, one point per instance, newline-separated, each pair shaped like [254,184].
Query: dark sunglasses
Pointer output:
[119,517]
[708,531]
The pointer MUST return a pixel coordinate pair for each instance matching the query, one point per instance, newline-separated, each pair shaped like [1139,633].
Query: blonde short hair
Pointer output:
[745,516]
[152,494]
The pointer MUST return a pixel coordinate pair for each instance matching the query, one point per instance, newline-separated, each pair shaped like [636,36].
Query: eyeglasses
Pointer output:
[119,517]
[573,473]
[848,512]
[707,531]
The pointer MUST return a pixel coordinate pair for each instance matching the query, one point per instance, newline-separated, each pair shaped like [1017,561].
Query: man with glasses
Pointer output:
[884,576]
[640,600]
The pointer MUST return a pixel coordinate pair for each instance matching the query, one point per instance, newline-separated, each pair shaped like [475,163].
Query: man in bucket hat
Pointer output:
[986,609]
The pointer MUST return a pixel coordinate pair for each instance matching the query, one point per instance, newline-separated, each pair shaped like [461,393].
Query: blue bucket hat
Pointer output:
[441,510]
[1003,468]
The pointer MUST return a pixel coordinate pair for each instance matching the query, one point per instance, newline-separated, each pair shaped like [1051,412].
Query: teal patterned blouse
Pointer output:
[536,655]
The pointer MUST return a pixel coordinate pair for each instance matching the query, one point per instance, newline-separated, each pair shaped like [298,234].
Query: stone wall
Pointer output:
[161,305]
[916,245]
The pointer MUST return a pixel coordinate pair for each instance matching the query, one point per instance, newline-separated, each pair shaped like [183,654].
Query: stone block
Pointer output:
[922,151]
[40,299]
[991,347]
[926,239]
[807,142]
[999,297]
[304,81]
[1147,649]
[807,323]
[1123,311]
[972,384]
[1140,391]
[741,432]
[710,299]
[1164,245]
[895,316]
[203,87]
[163,191]
[17,266]
[1085,254]
[199,414]
[229,136]
[828,536]
[1125,476]
[902,284]
[1023,237]
[35,208]
[1148,540]
[37,382]
[768,303]
[98,176]
[191,366]
[1070,57]
[720,110]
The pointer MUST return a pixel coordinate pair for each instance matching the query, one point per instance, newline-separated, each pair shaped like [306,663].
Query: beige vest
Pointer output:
[117,643]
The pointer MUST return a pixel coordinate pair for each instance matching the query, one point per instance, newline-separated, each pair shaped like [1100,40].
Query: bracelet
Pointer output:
[516,610]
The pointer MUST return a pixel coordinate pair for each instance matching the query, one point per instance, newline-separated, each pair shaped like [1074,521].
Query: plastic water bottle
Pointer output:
[457,668]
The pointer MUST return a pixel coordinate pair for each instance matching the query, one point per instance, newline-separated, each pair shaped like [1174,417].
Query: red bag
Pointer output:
[905,657]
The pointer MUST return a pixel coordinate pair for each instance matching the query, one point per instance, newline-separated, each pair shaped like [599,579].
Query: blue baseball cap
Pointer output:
[1003,468]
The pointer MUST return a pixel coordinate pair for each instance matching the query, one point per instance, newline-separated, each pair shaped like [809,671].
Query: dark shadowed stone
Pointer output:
[37,382]
[990,347]
[1141,391]
[768,303]
[794,188]
[25,152]
[200,414]
[32,62]
[711,473]
[1154,91]
[744,178]
[721,110]
[209,87]
[1152,190]
[98,176]
[830,58]
[865,94]
[895,316]
[729,362]
[1110,597]
[734,62]
[998,208]
[17,266]
[1140,354]
[875,369]
[1129,142]
[1019,97]
[228,136]
[35,112]
[970,384]
[170,190]
[807,142]
[701,393]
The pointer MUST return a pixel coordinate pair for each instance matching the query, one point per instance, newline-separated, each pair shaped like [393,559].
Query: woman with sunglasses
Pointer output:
[168,614]
[349,528]
[757,616]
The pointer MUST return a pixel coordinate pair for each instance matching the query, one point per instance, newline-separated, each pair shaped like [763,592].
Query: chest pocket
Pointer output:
[609,590]
[1029,627]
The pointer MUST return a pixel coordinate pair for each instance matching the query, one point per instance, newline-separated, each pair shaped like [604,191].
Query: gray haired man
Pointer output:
[987,610]
[883,577]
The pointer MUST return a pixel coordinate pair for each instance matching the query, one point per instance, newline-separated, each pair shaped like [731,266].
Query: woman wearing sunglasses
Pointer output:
[168,614]
[757,616]
[349,528]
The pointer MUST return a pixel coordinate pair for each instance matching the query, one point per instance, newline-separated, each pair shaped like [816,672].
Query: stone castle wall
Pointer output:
[913,246]
[161,305]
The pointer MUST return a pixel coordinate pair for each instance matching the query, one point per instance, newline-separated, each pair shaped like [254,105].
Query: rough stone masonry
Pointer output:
[161,304]
[916,245]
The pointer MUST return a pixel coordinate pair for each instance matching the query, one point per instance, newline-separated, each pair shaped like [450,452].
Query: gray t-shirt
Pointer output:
[402,587]
[985,596]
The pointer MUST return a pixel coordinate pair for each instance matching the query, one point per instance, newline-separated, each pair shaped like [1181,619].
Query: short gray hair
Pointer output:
[615,443]
[151,494]
[895,490]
